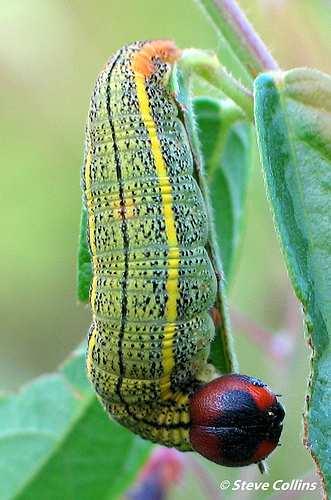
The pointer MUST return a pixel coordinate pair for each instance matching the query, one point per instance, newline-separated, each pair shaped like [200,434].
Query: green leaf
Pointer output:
[293,120]
[56,441]
[84,271]
[226,149]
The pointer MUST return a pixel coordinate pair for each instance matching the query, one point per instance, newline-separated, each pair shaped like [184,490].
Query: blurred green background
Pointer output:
[50,54]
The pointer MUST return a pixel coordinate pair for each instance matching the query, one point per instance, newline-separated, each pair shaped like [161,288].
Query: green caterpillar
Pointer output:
[153,283]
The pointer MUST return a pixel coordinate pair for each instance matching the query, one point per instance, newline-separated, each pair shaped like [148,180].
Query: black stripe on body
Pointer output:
[124,234]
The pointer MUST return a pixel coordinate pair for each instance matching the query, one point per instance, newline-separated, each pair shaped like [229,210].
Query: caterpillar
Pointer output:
[153,281]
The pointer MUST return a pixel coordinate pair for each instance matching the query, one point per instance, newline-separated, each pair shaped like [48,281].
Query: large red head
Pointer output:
[236,420]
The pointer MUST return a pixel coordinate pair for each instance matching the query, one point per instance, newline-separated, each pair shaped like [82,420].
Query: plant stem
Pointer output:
[206,66]
[240,34]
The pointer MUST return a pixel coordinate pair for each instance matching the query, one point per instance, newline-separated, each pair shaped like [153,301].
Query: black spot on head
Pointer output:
[241,427]
[238,408]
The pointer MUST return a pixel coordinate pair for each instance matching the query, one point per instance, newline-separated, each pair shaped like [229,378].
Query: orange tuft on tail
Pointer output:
[166,50]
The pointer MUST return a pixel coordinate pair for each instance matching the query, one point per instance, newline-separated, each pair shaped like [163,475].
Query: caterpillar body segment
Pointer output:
[153,283]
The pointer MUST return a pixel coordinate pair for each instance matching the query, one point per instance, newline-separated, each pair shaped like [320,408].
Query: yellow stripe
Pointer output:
[93,294]
[91,221]
[91,345]
[166,196]
[91,225]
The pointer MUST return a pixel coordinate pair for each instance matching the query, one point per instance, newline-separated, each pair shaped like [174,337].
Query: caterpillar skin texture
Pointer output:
[153,282]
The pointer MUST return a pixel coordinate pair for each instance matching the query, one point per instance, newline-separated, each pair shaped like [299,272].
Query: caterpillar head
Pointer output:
[155,58]
[236,420]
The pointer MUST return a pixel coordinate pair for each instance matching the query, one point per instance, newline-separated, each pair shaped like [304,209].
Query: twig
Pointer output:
[206,66]
[239,33]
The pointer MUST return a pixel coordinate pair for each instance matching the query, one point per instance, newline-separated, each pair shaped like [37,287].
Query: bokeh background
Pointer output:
[50,54]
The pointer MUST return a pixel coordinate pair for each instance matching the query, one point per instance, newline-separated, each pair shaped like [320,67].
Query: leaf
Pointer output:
[56,441]
[84,271]
[226,149]
[293,120]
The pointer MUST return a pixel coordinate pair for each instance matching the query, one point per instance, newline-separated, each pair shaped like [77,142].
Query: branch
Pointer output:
[240,35]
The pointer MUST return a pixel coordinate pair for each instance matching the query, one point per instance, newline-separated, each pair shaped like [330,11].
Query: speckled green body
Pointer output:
[143,366]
